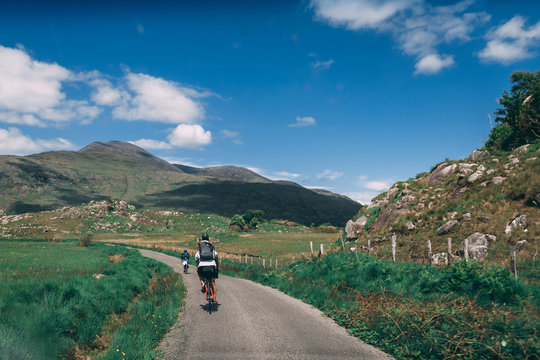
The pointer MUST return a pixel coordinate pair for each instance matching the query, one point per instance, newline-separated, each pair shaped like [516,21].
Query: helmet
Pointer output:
[185,250]
[205,236]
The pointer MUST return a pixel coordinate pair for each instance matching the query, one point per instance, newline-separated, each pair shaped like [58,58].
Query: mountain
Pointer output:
[122,170]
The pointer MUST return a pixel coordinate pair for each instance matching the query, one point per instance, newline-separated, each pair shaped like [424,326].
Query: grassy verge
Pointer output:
[54,304]
[415,311]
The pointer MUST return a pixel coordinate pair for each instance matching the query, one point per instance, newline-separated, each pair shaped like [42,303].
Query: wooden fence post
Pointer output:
[369,245]
[264,263]
[246,259]
[342,244]
[321,250]
[429,254]
[311,247]
[252,260]
[394,248]
[466,249]
[513,261]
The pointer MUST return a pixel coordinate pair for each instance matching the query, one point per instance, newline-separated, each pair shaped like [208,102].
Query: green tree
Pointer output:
[518,118]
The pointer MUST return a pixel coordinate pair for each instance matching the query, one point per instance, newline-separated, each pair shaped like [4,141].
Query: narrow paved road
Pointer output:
[254,322]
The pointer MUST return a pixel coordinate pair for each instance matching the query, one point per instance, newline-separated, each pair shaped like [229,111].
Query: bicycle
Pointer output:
[209,295]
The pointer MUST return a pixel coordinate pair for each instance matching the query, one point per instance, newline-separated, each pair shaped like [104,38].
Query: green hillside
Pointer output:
[120,170]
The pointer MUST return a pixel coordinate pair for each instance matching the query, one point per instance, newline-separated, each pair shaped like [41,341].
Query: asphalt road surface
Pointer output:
[254,322]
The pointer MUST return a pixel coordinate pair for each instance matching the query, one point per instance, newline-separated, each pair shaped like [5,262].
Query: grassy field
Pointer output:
[65,300]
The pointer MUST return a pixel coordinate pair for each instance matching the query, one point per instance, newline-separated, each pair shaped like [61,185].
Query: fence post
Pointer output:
[276,263]
[342,244]
[513,261]
[321,250]
[264,263]
[429,254]
[394,248]
[252,260]
[311,247]
[292,260]
[369,245]
[467,249]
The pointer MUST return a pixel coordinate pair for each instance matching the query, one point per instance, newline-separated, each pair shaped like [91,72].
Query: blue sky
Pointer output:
[345,95]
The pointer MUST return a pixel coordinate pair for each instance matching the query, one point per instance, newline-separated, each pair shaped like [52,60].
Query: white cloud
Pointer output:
[322,65]
[433,63]
[363,197]
[189,136]
[284,175]
[151,144]
[418,27]
[233,135]
[13,142]
[377,185]
[359,14]
[157,99]
[31,92]
[329,175]
[304,121]
[511,42]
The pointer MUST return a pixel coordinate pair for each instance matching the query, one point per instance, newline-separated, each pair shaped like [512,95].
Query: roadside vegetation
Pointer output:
[415,311]
[58,299]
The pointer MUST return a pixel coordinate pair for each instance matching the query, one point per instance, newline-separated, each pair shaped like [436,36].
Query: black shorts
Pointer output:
[207,272]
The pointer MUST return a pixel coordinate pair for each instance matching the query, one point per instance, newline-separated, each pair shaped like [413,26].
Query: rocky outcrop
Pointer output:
[477,154]
[440,173]
[477,246]
[458,191]
[522,149]
[520,220]
[391,212]
[447,227]
[355,228]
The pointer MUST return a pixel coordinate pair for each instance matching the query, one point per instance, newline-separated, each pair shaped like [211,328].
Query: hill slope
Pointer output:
[121,170]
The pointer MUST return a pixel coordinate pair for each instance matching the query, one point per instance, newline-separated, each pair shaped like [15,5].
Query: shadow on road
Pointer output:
[210,308]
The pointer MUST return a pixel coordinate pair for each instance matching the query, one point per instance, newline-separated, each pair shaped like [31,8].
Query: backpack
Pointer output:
[206,251]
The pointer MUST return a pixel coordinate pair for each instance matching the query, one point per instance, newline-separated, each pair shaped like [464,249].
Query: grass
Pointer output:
[52,305]
[415,311]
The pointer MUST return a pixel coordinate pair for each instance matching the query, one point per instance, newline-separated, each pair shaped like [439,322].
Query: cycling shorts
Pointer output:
[207,272]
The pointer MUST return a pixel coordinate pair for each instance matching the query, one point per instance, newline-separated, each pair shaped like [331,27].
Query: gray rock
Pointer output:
[410,225]
[391,212]
[468,166]
[452,214]
[495,160]
[520,220]
[458,191]
[440,173]
[484,219]
[362,220]
[478,246]
[447,227]
[490,171]
[353,229]
[475,176]
[477,154]
[498,179]
[522,149]
[481,168]
[467,216]
[2,212]
[514,160]
[465,172]
[122,205]
[439,259]
[391,194]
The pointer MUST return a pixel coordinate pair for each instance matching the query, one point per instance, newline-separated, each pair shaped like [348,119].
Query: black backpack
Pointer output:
[206,251]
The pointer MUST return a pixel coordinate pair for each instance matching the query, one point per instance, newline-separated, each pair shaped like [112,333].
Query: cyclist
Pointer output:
[185,260]
[207,264]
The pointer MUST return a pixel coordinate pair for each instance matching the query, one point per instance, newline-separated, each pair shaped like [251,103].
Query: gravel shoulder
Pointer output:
[254,322]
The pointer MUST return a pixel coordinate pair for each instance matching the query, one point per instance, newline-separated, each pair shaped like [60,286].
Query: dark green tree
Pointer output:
[518,118]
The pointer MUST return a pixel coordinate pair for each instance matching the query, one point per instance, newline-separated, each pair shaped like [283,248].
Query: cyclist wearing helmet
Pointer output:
[185,260]
[207,264]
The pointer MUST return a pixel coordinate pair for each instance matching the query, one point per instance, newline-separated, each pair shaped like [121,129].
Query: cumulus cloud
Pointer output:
[327,175]
[285,175]
[418,27]
[374,185]
[511,42]
[302,121]
[189,136]
[363,197]
[31,92]
[157,99]
[433,63]
[13,142]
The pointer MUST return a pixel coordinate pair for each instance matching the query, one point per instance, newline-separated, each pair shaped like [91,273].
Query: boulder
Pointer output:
[391,212]
[475,176]
[353,229]
[477,154]
[522,149]
[447,227]
[478,246]
[520,220]
[498,179]
[391,194]
[467,216]
[440,173]
[439,259]
[458,191]
[410,225]
[362,220]
[122,205]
